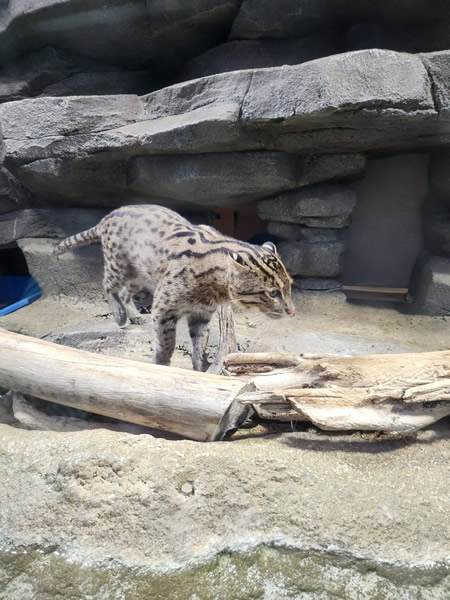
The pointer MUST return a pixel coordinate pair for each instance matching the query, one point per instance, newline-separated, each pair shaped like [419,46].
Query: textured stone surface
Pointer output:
[257,54]
[404,37]
[290,18]
[319,259]
[53,72]
[46,223]
[318,206]
[13,195]
[438,67]
[440,175]
[233,177]
[431,284]
[437,235]
[79,149]
[317,284]
[102,495]
[127,33]
[78,273]
[293,232]
[323,92]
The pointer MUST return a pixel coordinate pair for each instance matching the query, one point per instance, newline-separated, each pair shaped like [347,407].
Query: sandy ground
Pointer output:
[324,322]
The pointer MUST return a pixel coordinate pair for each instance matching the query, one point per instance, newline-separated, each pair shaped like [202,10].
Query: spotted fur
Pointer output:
[189,270]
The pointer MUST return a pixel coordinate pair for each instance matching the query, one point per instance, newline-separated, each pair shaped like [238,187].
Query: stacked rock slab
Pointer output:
[202,104]
[311,224]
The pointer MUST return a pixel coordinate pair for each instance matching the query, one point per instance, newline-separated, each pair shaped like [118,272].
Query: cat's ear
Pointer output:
[237,258]
[270,246]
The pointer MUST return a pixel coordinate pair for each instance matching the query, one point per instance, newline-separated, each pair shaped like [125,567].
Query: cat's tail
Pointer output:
[79,239]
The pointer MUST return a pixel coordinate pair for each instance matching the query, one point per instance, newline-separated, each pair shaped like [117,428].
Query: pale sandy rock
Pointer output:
[99,495]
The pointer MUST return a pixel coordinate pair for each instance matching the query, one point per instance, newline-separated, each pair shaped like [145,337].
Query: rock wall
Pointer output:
[201,104]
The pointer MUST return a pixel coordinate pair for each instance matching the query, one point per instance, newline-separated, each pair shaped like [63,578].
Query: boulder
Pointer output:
[285,231]
[319,259]
[438,67]
[78,273]
[291,18]
[327,205]
[53,72]
[232,177]
[431,284]
[375,80]
[46,223]
[80,150]
[13,195]
[128,34]
[294,233]
[103,82]
[259,54]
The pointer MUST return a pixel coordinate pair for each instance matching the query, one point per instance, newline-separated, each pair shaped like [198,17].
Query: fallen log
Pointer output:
[195,405]
[396,393]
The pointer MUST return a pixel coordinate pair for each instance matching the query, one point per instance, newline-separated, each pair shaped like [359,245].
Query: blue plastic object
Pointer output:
[16,292]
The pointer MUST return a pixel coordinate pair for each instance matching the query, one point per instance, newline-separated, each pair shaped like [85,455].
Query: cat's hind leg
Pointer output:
[132,312]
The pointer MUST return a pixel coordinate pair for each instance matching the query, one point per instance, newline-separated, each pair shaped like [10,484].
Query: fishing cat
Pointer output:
[189,269]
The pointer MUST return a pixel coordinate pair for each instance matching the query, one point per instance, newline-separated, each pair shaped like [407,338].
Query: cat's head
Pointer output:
[259,279]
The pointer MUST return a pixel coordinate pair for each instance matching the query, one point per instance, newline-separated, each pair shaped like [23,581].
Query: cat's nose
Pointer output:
[290,309]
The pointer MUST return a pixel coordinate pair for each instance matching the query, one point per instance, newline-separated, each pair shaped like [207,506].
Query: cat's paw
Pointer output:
[140,320]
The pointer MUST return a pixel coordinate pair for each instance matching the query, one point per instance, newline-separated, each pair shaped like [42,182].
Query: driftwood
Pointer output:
[30,417]
[398,393]
[227,338]
[195,405]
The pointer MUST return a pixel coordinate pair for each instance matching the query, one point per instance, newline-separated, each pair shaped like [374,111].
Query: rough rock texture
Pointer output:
[94,113]
[233,177]
[318,206]
[81,149]
[53,72]
[13,195]
[440,176]
[101,495]
[292,232]
[431,284]
[78,273]
[409,37]
[257,54]
[46,223]
[316,250]
[319,259]
[129,33]
[291,18]
[438,67]
[437,235]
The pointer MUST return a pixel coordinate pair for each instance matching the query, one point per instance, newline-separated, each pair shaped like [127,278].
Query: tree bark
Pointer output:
[195,405]
[398,393]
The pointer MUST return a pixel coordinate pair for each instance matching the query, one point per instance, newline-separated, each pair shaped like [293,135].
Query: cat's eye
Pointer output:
[274,293]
